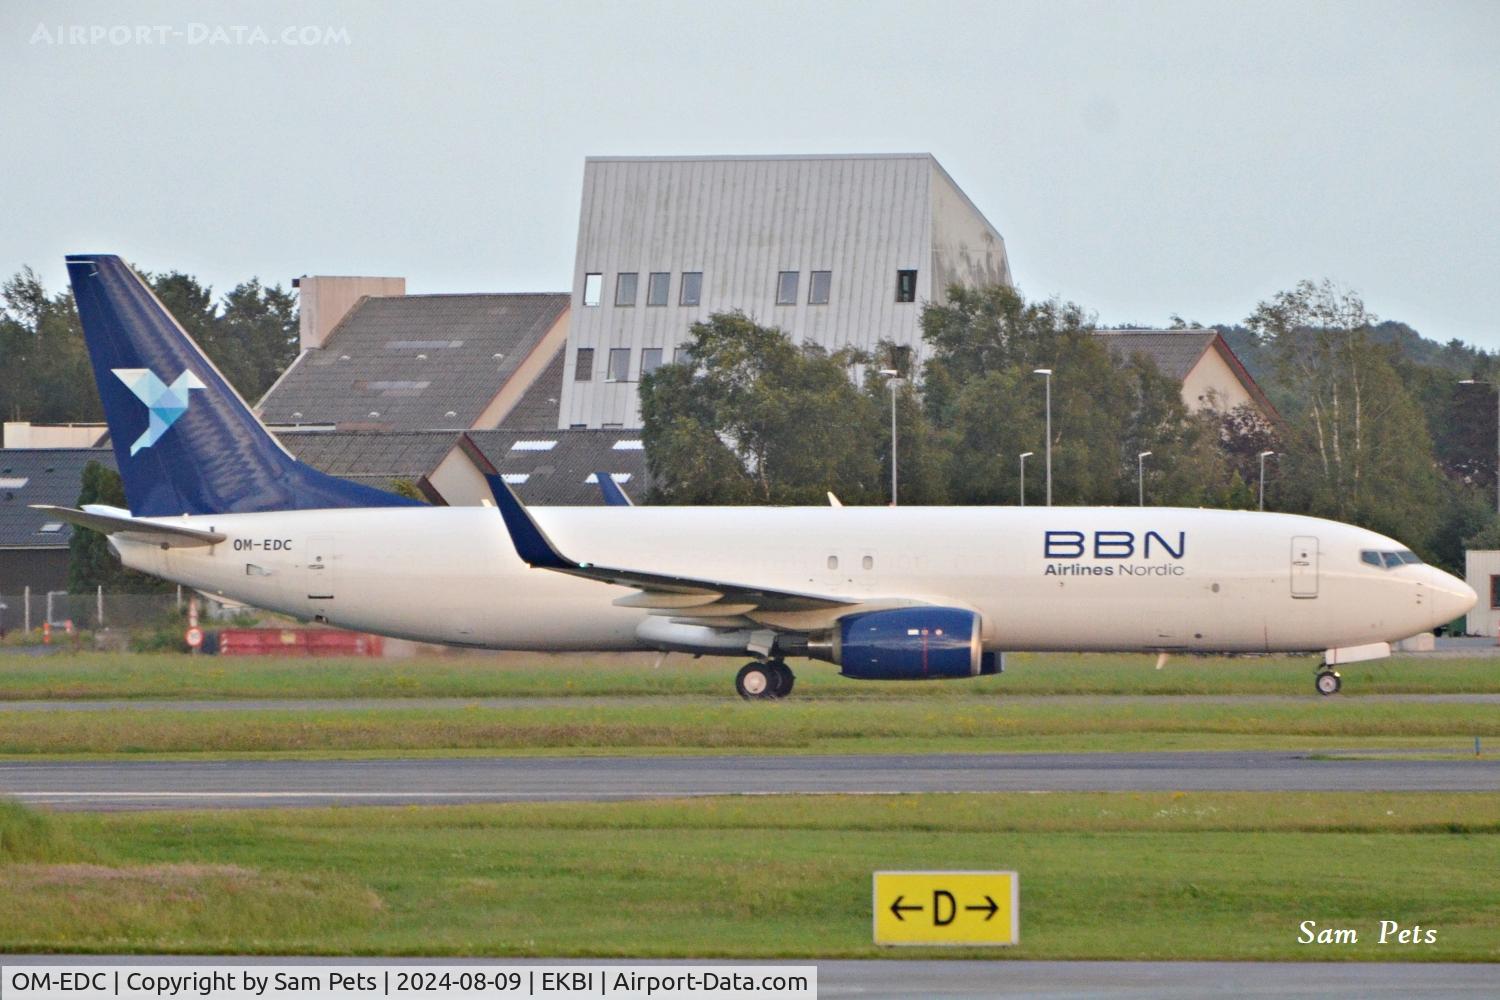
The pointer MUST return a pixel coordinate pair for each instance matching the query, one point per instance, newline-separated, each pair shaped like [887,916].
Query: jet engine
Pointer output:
[906,644]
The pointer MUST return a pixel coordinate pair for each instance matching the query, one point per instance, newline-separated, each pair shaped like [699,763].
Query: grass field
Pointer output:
[1103,876]
[1045,703]
[728,725]
[106,675]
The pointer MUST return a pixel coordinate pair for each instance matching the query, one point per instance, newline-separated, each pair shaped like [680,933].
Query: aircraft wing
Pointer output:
[168,535]
[693,598]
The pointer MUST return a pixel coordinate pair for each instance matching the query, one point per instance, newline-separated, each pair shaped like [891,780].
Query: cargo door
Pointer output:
[318,568]
[1304,566]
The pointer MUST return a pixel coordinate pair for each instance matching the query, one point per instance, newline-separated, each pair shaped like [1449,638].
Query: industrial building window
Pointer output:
[786,288]
[656,288]
[817,290]
[625,288]
[682,355]
[900,359]
[592,285]
[650,360]
[1494,593]
[692,288]
[906,286]
[583,371]
[619,364]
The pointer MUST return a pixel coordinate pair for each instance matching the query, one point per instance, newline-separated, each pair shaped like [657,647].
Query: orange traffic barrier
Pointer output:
[297,642]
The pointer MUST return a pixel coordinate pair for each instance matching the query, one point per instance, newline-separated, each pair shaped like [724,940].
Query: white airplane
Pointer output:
[885,593]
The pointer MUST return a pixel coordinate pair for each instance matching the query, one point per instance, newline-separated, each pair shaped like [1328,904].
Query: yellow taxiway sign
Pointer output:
[968,908]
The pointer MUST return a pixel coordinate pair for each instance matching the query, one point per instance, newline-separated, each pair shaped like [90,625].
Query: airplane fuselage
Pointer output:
[1061,578]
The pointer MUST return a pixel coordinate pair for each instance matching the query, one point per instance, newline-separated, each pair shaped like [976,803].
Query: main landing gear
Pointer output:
[1328,681]
[764,679]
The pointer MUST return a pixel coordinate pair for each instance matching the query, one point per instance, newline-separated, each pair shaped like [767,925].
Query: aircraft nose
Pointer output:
[1451,597]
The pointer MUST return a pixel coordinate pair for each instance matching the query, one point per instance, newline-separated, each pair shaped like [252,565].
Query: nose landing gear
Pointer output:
[769,679]
[1328,681]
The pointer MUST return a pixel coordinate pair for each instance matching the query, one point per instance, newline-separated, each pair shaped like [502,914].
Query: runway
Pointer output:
[1018,980]
[112,785]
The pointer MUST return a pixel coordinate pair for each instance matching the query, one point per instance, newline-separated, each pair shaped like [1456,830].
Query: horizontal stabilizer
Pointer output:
[171,535]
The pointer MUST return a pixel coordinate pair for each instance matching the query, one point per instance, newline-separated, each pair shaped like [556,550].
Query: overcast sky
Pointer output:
[1139,158]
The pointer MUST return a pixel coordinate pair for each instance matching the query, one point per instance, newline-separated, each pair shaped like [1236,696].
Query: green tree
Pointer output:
[753,418]
[251,336]
[987,405]
[408,488]
[91,562]
[261,325]
[44,368]
[45,376]
[1357,445]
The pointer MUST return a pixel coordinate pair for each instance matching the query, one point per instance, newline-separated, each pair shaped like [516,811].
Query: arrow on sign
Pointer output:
[993,908]
[898,909]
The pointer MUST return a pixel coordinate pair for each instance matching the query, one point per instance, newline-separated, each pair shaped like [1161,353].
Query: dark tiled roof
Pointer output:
[1175,352]
[363,454]
[556,475]
[52,476]
[370,363]
[538,408]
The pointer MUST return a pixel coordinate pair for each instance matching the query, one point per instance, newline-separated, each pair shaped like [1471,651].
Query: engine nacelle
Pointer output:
[908,644]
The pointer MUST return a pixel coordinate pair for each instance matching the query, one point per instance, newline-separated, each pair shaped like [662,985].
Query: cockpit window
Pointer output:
[1389,560]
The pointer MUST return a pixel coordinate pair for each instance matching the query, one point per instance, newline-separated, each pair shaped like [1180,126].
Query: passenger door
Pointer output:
[1304,566]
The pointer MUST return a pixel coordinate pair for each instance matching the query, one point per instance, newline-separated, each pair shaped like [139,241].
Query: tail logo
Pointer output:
[165,402]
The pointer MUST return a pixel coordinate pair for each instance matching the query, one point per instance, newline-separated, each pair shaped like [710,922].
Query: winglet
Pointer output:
[531,542]
[614,496]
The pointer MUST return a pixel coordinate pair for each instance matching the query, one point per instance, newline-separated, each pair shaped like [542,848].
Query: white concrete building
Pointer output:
[1482,572]
[836,250]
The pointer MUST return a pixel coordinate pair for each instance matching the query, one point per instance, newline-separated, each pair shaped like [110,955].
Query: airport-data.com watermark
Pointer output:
[192,33]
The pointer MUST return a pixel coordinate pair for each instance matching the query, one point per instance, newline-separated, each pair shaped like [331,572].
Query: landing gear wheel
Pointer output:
[783,677]
[1328,682]
[756,680]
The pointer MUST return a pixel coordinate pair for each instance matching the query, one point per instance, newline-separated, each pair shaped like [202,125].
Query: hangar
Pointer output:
[835,250]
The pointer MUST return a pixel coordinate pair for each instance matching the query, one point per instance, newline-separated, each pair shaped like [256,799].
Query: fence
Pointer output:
[27,610]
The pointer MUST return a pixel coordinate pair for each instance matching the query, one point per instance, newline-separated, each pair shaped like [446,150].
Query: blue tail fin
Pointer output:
[185,441]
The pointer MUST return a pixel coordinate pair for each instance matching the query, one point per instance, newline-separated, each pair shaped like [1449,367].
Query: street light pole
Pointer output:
[1496,387]
[892,380]
[1024,456]
[1047,374]
[1140,477]
[1263,456]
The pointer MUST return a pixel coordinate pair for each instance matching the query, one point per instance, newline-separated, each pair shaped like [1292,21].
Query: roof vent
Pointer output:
[451,414]
[421,357]
[374,413]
